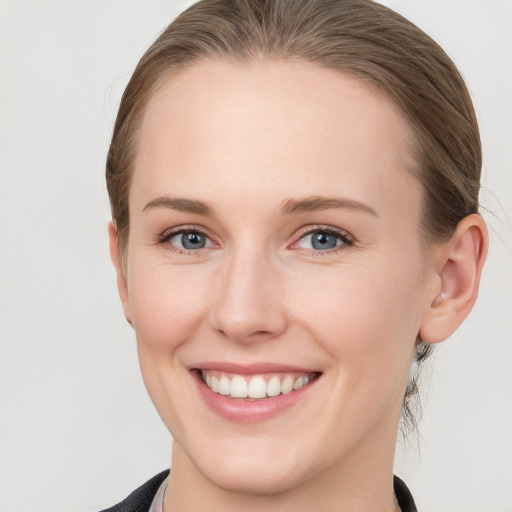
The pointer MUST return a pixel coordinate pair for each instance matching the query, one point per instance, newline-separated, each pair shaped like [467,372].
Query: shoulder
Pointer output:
[140,500]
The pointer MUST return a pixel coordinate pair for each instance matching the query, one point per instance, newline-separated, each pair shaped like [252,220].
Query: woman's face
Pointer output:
[274,244]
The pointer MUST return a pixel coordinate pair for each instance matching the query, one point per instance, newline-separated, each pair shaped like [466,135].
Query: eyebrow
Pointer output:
[318,203]
[308,204]
[179,204]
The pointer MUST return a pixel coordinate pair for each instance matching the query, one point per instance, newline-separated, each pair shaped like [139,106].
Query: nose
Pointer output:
[249,304]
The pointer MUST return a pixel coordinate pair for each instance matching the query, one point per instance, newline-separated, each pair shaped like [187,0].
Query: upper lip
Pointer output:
[251,368]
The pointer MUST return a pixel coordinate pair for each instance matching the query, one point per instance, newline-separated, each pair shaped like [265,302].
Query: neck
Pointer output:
[362,482]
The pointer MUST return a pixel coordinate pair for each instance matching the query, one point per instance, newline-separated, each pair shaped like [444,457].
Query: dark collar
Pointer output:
[403,496]
[140,500]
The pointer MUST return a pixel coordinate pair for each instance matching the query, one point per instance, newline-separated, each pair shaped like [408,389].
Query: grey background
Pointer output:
[77,430]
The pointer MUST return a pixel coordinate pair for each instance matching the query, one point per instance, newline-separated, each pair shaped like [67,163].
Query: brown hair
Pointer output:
[360,37]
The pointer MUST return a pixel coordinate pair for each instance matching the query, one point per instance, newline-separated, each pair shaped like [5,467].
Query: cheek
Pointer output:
[166,305]
[366,319]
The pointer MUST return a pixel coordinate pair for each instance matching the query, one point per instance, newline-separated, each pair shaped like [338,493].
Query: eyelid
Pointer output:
[345,236]
[169,233]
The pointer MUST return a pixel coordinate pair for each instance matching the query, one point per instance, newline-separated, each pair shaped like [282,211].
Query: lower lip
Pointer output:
[244,410]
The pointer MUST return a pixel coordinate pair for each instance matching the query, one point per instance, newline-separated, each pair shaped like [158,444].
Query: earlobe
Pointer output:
[116,257]
[458,267]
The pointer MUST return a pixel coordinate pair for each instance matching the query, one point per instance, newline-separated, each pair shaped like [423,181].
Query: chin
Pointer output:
[252,477]
[250,466]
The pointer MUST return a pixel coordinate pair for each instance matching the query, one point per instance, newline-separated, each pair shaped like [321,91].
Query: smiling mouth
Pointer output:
[255,387]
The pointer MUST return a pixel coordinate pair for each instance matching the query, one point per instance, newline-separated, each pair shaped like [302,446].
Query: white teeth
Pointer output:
[287,385]
[224,386]
[256,387]
[214,384]
[299,383]
[274,386]
[238,387]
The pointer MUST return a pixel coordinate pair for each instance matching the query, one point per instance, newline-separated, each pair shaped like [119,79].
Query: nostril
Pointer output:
[261,333]
[242,333]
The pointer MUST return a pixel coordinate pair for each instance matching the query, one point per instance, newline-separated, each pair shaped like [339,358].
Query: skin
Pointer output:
[246,140]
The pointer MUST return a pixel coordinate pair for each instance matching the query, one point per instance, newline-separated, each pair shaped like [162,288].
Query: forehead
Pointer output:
[291,125]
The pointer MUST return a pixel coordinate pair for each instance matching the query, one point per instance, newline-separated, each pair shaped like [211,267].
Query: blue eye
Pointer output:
[189,240]
[322,240]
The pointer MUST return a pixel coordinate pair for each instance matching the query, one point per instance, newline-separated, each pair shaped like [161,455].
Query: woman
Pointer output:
[294,188]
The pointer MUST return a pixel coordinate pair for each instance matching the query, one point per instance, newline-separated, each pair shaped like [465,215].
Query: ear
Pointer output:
[458,267]
[122,285]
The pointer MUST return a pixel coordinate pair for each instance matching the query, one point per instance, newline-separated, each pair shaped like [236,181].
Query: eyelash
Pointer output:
[164,238]
[346,239]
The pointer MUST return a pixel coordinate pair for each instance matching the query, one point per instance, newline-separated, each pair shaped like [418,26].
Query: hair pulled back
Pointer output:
[359,37]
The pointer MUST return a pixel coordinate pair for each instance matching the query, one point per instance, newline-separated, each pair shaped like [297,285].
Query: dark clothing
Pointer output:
[404,496]
[140,499]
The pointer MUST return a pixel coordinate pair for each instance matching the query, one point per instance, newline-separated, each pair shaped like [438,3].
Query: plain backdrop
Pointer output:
[77,430]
